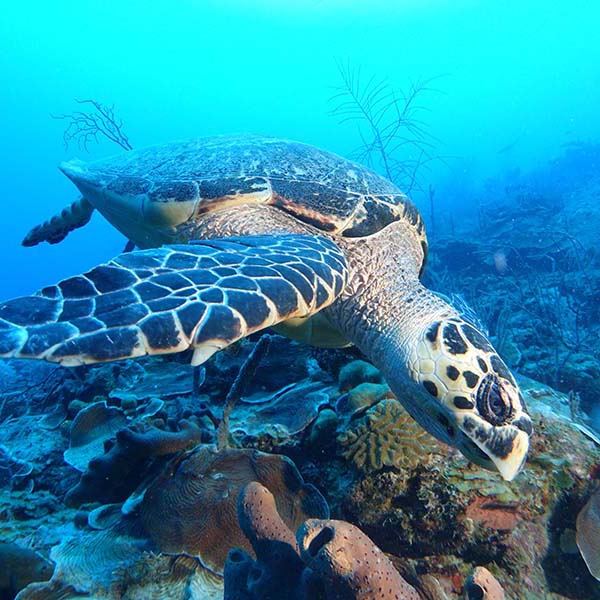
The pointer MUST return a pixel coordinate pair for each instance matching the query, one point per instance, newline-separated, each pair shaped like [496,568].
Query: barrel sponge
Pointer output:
[278,567]
[354,567]
[236,572]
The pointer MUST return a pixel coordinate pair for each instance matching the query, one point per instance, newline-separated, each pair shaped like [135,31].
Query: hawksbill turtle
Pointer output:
[240,233]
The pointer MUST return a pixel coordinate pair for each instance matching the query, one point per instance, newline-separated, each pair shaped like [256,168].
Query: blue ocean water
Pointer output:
[499,150]
[506,72]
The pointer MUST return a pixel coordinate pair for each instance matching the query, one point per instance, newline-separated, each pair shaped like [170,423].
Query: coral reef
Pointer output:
[177,547]
[440,518]
[326,560]
[456,510]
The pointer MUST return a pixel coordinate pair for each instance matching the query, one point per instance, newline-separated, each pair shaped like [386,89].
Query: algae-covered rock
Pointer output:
[357,372]
[362,397]
[19,567]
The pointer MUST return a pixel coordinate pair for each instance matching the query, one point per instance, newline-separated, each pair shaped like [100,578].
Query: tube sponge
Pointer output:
[325,560]
[353,566]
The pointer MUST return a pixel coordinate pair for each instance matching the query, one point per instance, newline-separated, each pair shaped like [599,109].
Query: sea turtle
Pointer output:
[239,233]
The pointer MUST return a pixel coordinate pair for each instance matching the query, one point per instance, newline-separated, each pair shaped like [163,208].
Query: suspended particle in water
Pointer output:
[500,261]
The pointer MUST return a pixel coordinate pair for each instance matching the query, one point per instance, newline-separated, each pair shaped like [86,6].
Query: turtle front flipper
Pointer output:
[57,228]
[205,296]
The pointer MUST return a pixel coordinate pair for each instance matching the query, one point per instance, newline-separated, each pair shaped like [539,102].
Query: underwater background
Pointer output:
[500,152]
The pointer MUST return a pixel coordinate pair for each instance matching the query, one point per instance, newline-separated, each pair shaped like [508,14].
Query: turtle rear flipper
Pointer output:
[57,228]
[204,295]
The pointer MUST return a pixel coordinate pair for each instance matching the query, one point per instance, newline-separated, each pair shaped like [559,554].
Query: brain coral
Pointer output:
[385,437]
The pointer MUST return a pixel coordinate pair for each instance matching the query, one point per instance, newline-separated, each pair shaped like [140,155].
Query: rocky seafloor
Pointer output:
[111,475]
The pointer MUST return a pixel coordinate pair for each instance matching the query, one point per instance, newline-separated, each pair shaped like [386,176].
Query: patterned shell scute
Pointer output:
[317,187]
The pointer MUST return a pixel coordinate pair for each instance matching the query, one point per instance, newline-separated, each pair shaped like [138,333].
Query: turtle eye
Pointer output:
[493,402]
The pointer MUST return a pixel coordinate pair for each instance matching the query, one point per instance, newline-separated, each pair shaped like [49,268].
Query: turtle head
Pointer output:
[468,398]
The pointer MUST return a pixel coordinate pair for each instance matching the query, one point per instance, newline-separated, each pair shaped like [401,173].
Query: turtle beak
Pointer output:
[501,447]
[510,466]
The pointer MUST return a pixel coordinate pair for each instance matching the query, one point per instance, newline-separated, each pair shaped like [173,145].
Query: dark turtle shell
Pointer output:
[317,187]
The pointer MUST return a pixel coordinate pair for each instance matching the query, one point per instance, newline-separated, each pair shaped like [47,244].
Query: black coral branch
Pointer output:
[96,121]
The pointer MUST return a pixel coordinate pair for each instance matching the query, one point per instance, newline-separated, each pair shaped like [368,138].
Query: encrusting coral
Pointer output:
[326,560]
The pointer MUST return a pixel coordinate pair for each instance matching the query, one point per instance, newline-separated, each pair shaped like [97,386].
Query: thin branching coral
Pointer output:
[394,137]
